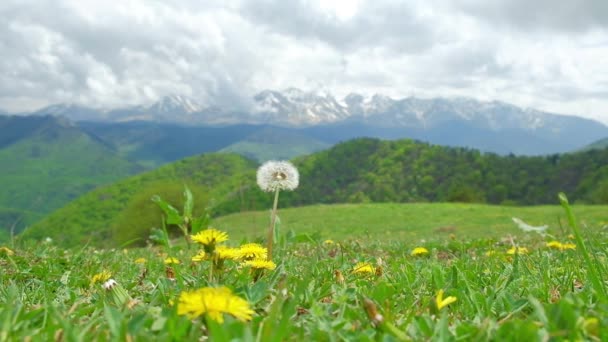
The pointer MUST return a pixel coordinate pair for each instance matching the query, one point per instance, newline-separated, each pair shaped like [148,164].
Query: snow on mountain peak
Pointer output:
[176,103]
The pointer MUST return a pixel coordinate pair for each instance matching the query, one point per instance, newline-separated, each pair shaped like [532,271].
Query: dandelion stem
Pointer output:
[273,218]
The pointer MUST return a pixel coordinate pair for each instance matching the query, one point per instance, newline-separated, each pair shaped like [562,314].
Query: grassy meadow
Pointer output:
[368,272]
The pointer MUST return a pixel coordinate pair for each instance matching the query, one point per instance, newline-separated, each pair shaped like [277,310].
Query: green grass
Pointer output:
[542,295]
[403,222]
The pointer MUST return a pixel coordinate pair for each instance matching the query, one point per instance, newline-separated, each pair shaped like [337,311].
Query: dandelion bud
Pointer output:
[116,294]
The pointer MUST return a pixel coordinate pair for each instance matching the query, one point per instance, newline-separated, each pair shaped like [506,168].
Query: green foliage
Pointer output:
[186,221]
[408,171]
[141,214]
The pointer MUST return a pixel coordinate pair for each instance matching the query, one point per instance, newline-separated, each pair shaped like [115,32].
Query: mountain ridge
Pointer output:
[491,126]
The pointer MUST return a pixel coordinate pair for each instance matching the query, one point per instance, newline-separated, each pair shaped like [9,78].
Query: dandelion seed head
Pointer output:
[281,175]
[108,285]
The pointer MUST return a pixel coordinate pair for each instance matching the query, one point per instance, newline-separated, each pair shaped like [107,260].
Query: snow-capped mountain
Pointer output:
[296,107]
[490,125]
[72,111]
[170,108]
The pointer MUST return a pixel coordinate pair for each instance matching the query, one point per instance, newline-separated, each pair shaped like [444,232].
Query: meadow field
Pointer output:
[365,272]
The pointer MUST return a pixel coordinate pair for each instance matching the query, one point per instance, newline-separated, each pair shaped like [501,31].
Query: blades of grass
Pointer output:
[594,273]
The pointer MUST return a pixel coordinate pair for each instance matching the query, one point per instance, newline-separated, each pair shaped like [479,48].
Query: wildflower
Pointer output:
[101,277]
[554,244]
[517,250]
[7,251]
[226,253]
[363,268]
[140,261]
[419,251]
[214,302]
[561,246]
[274,176]
[328,242]
[568,245]
[200,256]
[116,293]
[443,302]
[209,238]
[277,175]
[260,264]
[250,251]
[171,260]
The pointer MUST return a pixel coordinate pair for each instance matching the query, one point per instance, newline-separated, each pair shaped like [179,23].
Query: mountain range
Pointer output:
[489,126]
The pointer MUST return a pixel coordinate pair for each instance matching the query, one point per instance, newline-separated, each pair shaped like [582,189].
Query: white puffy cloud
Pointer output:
[543,54]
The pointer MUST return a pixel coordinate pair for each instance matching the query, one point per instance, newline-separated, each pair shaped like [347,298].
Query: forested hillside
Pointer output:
[361,170]
[45,162]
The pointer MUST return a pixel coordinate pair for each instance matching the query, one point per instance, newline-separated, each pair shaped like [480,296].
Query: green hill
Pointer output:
[275,143]
[370,170]
[123,211]
[361,170]
[597,145]
[46,162]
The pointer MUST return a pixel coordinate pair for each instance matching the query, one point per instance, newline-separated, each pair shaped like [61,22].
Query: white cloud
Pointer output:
[544,54]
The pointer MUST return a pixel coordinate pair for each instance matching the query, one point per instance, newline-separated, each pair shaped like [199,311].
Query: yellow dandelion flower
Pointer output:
[260,264]
[443,302]
[200,256]
[171,260]
[209,237]
[6,251]
[517,250]
[224,252]
[101,277]
[568,245]
[364,268]
[250,251]
[554,244]
[328,242]
[213,302]
[140,261]
[419,251]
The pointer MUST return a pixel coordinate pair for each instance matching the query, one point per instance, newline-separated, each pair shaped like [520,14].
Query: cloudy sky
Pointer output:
[546,54]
